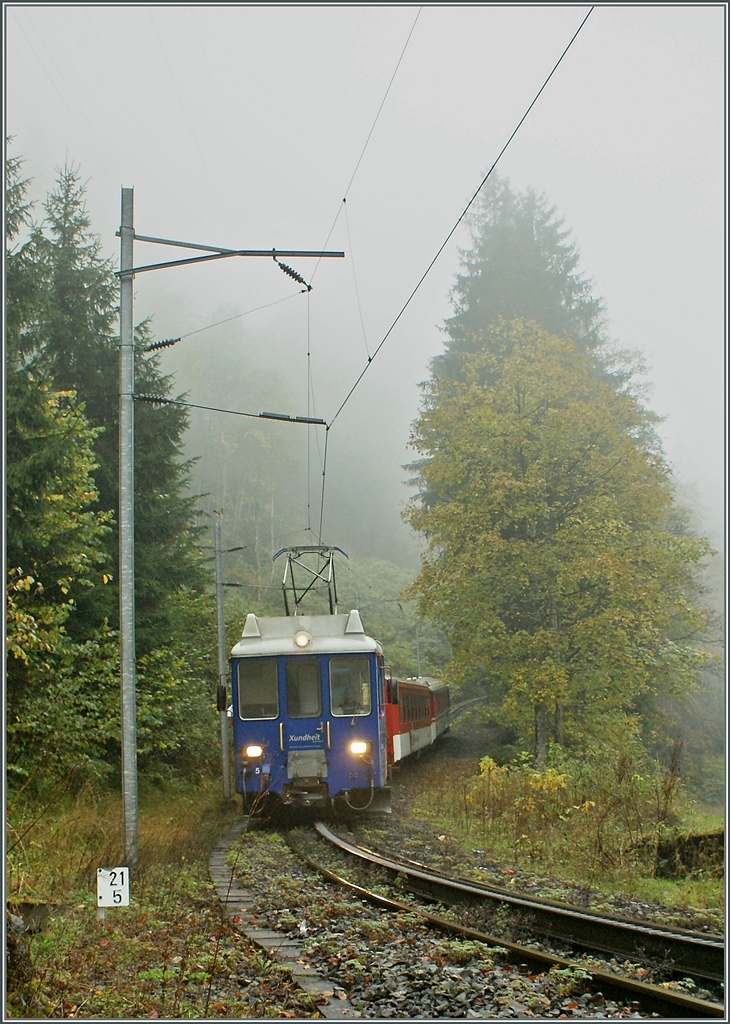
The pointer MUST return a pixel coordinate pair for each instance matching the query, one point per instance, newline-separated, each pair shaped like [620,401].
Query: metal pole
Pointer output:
[222,659]
[126,534]
[126,274]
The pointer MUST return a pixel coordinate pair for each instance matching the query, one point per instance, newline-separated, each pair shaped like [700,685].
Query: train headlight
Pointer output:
[360,747]
[302,638]
[254,750]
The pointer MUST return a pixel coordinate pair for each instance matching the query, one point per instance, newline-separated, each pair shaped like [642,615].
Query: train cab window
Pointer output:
[258,693]
[350,692]
[303,688]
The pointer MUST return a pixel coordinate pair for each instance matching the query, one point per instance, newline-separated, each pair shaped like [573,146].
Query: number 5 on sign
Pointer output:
[112,887]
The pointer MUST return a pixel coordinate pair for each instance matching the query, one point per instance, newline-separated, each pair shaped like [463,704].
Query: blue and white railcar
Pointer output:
[309,713]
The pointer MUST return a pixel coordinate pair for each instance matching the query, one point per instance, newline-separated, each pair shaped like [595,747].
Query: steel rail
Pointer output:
[690,953]
[465,705]
[651,998]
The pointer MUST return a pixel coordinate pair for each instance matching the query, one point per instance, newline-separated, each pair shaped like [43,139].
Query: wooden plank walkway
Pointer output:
[240,907]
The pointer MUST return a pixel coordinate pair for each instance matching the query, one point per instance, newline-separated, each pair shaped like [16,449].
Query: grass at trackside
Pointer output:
[703,892]
[54,848]
[556,854]
[697,901]
[172,952]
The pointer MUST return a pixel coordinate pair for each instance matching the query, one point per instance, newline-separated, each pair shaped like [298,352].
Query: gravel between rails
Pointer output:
[392,966]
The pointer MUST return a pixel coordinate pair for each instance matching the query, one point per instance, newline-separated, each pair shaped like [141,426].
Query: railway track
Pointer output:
[586,930]
[690,953]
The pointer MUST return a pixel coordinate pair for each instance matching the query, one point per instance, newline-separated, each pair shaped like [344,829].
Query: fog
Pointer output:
[241,126]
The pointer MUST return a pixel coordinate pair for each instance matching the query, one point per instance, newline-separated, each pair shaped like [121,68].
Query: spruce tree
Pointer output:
[49,442]
[61,597]
[79,347]
[521,264]
[54,538]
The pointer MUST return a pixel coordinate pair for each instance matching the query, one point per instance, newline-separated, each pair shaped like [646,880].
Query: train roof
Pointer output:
[304,634]
[429,681]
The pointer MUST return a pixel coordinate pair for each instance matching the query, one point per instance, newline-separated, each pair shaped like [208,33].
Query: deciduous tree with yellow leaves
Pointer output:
[554,562]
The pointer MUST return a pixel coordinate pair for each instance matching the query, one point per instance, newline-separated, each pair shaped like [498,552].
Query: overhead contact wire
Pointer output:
[179,97]
[354,278]
[309,432]
[380,108]
[367,140]
[73,106]
[275,416]
[460,219]
[329,234]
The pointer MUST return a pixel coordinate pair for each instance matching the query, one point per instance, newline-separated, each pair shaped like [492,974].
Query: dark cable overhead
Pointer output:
[367,140]
[460,219]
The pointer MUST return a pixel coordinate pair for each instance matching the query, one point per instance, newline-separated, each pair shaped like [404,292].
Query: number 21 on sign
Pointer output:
[112,887]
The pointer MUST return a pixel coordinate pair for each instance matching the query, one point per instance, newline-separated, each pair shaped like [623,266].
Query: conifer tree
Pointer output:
[54,538]
[521,264]
[61,411]
[50,457]
[78,346]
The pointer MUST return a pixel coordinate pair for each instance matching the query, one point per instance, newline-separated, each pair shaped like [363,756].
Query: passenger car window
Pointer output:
[303,688]
[258,693]
[350,692]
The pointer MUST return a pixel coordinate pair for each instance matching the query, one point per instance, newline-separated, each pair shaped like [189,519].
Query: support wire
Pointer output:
[367,140]
[460,219]
[324,476]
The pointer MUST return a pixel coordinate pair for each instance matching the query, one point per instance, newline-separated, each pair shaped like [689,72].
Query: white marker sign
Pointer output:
[112,887]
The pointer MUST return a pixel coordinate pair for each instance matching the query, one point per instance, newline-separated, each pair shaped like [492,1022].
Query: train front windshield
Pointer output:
[350,692]
[303,688]
[258,690]
[344,679]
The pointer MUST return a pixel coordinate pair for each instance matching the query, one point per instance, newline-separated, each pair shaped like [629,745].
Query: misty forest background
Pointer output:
[544,559]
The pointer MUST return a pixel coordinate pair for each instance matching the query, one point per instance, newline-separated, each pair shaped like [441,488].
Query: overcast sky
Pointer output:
[241,126]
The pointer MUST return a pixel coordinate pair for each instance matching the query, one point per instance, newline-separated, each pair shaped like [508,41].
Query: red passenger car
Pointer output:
[416,712]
